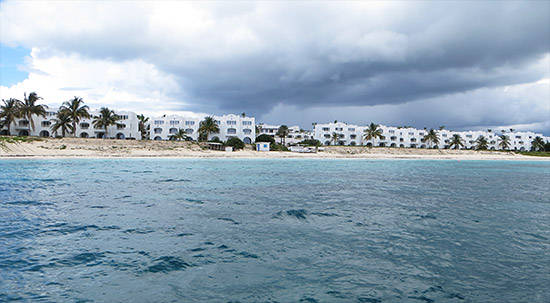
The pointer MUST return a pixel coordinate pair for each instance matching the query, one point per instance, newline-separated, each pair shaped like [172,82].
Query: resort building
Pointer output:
[341,133]
[295,134]
[127,127]
[231,126]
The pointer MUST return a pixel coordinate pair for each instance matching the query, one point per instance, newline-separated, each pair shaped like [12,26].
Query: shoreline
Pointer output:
[79,148]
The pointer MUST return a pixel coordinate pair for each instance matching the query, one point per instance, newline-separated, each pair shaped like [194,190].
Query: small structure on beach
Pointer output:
[215,146]
[262,146]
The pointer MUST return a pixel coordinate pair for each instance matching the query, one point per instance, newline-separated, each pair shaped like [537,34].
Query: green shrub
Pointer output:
[236,143]
[265,138]
[311,142]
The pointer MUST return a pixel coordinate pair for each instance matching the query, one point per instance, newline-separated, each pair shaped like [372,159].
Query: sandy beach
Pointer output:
[106,148]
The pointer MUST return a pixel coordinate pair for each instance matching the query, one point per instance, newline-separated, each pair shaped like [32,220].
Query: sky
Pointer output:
[459,64]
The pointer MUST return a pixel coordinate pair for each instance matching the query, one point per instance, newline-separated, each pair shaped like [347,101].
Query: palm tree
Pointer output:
[335,137]
[456,141]
[142,126]
[489,130]
[512,130]
[105,119]
[481,143]
[75,110]
[504,142]
[431,137]
[372,132]
[208,126]
[9,112]
[442,127]
[29,108]
[282,132]
[537,144]
[258,129]
[63,121]
[180,135]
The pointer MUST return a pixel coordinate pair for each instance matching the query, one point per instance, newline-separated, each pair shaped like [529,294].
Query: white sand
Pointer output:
[100,148]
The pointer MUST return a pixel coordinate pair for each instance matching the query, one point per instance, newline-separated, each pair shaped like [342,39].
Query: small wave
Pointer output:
[368,300]
[28,203]
[167,264]
[197,249]
[245,254]
[297,213]
[82,258]
[174,180]
[325,214]
[123,197]
[193,201]
[309,300]
[421,298]
[137,231]
[229,220]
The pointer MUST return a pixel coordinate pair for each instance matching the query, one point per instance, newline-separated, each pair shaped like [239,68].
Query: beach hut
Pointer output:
[262,146]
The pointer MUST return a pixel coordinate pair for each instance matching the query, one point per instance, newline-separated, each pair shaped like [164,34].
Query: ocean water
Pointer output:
[237,230]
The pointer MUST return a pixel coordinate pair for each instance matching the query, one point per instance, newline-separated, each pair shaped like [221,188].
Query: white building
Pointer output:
[231,126]
[295,134]
[127,128]
[350,134]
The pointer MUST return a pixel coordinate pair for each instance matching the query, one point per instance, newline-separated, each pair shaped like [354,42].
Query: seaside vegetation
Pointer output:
[4,140]
[236,143]
[456,141]
[74,110]
[64,122]
[372,132]
[143,127]
[180,135]
[106,118]
[207,127]
[282,133]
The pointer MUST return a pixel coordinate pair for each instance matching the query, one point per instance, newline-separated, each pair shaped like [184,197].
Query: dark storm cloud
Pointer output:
[442,50]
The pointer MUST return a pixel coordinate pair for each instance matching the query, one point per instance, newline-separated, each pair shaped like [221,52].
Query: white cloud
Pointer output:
[129,85]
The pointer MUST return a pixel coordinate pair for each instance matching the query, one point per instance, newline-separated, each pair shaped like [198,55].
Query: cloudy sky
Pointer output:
[464,65]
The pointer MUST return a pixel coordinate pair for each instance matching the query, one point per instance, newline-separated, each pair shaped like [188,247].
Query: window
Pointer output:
[231,131]
[518,137]
[411,134]
[120,126]
[217,122]
[247,122]
[189,131]
[158,131]
[50,114]
[159,122]
[173,131]
[444,135]
[339,129]
[46,123]
[123,117]
[392,132]
[231,122]
[421,134]
[468,136]
[393,138]
[189,122]
[353,136]
[351,129]
[326,129]
[247,131]
[84,125]
[174,122]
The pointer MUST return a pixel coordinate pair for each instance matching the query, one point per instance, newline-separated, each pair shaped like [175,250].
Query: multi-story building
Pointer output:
[349,134]
[295,134]
[127,127]
[231,126]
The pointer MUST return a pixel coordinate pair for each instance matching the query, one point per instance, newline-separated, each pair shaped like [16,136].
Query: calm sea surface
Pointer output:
[183,230]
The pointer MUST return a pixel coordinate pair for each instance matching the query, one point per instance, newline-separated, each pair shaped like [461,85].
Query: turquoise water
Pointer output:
[181,230]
